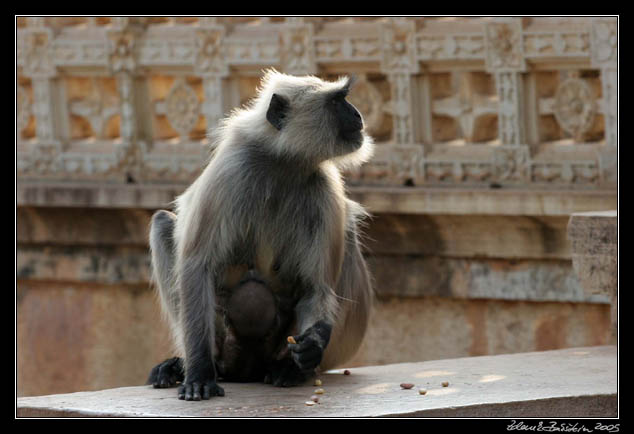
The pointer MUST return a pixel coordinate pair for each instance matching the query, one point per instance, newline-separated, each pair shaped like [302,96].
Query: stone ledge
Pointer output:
[415,200]
[577,382]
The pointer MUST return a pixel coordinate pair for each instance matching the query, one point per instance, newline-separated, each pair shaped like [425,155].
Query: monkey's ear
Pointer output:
[278,108]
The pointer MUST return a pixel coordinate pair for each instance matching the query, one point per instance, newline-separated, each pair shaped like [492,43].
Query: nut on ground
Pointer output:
[317,382]
[319,391]
[422,391]
[445,383]
[407,385]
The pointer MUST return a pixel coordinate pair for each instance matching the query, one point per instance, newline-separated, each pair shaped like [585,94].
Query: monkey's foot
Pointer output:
[167,373]
[195,391]
[286,373]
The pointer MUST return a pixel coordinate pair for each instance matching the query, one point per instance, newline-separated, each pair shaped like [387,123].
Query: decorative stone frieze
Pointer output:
[513,87]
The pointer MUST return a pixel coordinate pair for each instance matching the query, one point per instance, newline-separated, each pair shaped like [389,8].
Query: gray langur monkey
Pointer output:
[265,244]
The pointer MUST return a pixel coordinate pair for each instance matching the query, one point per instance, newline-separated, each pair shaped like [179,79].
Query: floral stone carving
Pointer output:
[182,107]
[574,107]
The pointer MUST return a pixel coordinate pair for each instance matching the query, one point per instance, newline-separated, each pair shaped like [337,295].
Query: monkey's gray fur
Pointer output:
[271,199]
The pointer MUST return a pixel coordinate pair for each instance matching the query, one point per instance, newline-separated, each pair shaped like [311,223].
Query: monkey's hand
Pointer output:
[309,349]
[197,389]
[167,373]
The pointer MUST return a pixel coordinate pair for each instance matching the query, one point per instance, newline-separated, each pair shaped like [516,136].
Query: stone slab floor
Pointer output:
[577,382]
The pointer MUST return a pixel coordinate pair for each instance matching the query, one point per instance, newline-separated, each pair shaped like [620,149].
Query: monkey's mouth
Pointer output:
[352,138]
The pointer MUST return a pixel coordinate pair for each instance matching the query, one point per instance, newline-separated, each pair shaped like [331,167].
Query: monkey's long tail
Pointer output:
[162,249]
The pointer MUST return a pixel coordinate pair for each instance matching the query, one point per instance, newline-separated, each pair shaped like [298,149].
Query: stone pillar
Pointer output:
[604,40]
[38,64]
[398,62]
[210,63]
[510,100]
[505,59]
[123,63]
[594,241]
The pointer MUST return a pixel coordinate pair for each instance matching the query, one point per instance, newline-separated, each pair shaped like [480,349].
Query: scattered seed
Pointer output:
[309,403]
[422,391]
[314,398]
[291,340]
[445,383]
[319,391]
[407,385]
[317,382]
[346,372]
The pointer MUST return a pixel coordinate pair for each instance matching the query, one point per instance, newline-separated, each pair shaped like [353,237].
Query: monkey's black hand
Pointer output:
[195,390]
[167,373]
[309,349]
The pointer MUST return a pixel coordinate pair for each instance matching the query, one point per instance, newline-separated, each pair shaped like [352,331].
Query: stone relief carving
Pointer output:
[125,87]
[219,49]
[503,46]
[574,107]
[610,91]
[24,110]
[509,92]
[604,41]
[182,107]
[36,53]
[42,109]
[466,106]
[210,52]
[98,107]
[540,44]
[511,163]
[437,47]
[397,38]
[121,51]
[400,108]
[297,49]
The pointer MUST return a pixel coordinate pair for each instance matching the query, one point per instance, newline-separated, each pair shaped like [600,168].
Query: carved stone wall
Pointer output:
[451,101]
[112,119]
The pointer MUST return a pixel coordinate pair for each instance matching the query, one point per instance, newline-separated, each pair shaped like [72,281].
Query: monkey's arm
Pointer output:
[306,353]
[315,329]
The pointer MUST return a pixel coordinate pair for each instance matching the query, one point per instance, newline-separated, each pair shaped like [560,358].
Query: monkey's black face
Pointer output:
[350,122]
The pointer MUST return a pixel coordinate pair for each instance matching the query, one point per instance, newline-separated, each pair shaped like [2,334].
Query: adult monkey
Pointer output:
[265,243]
